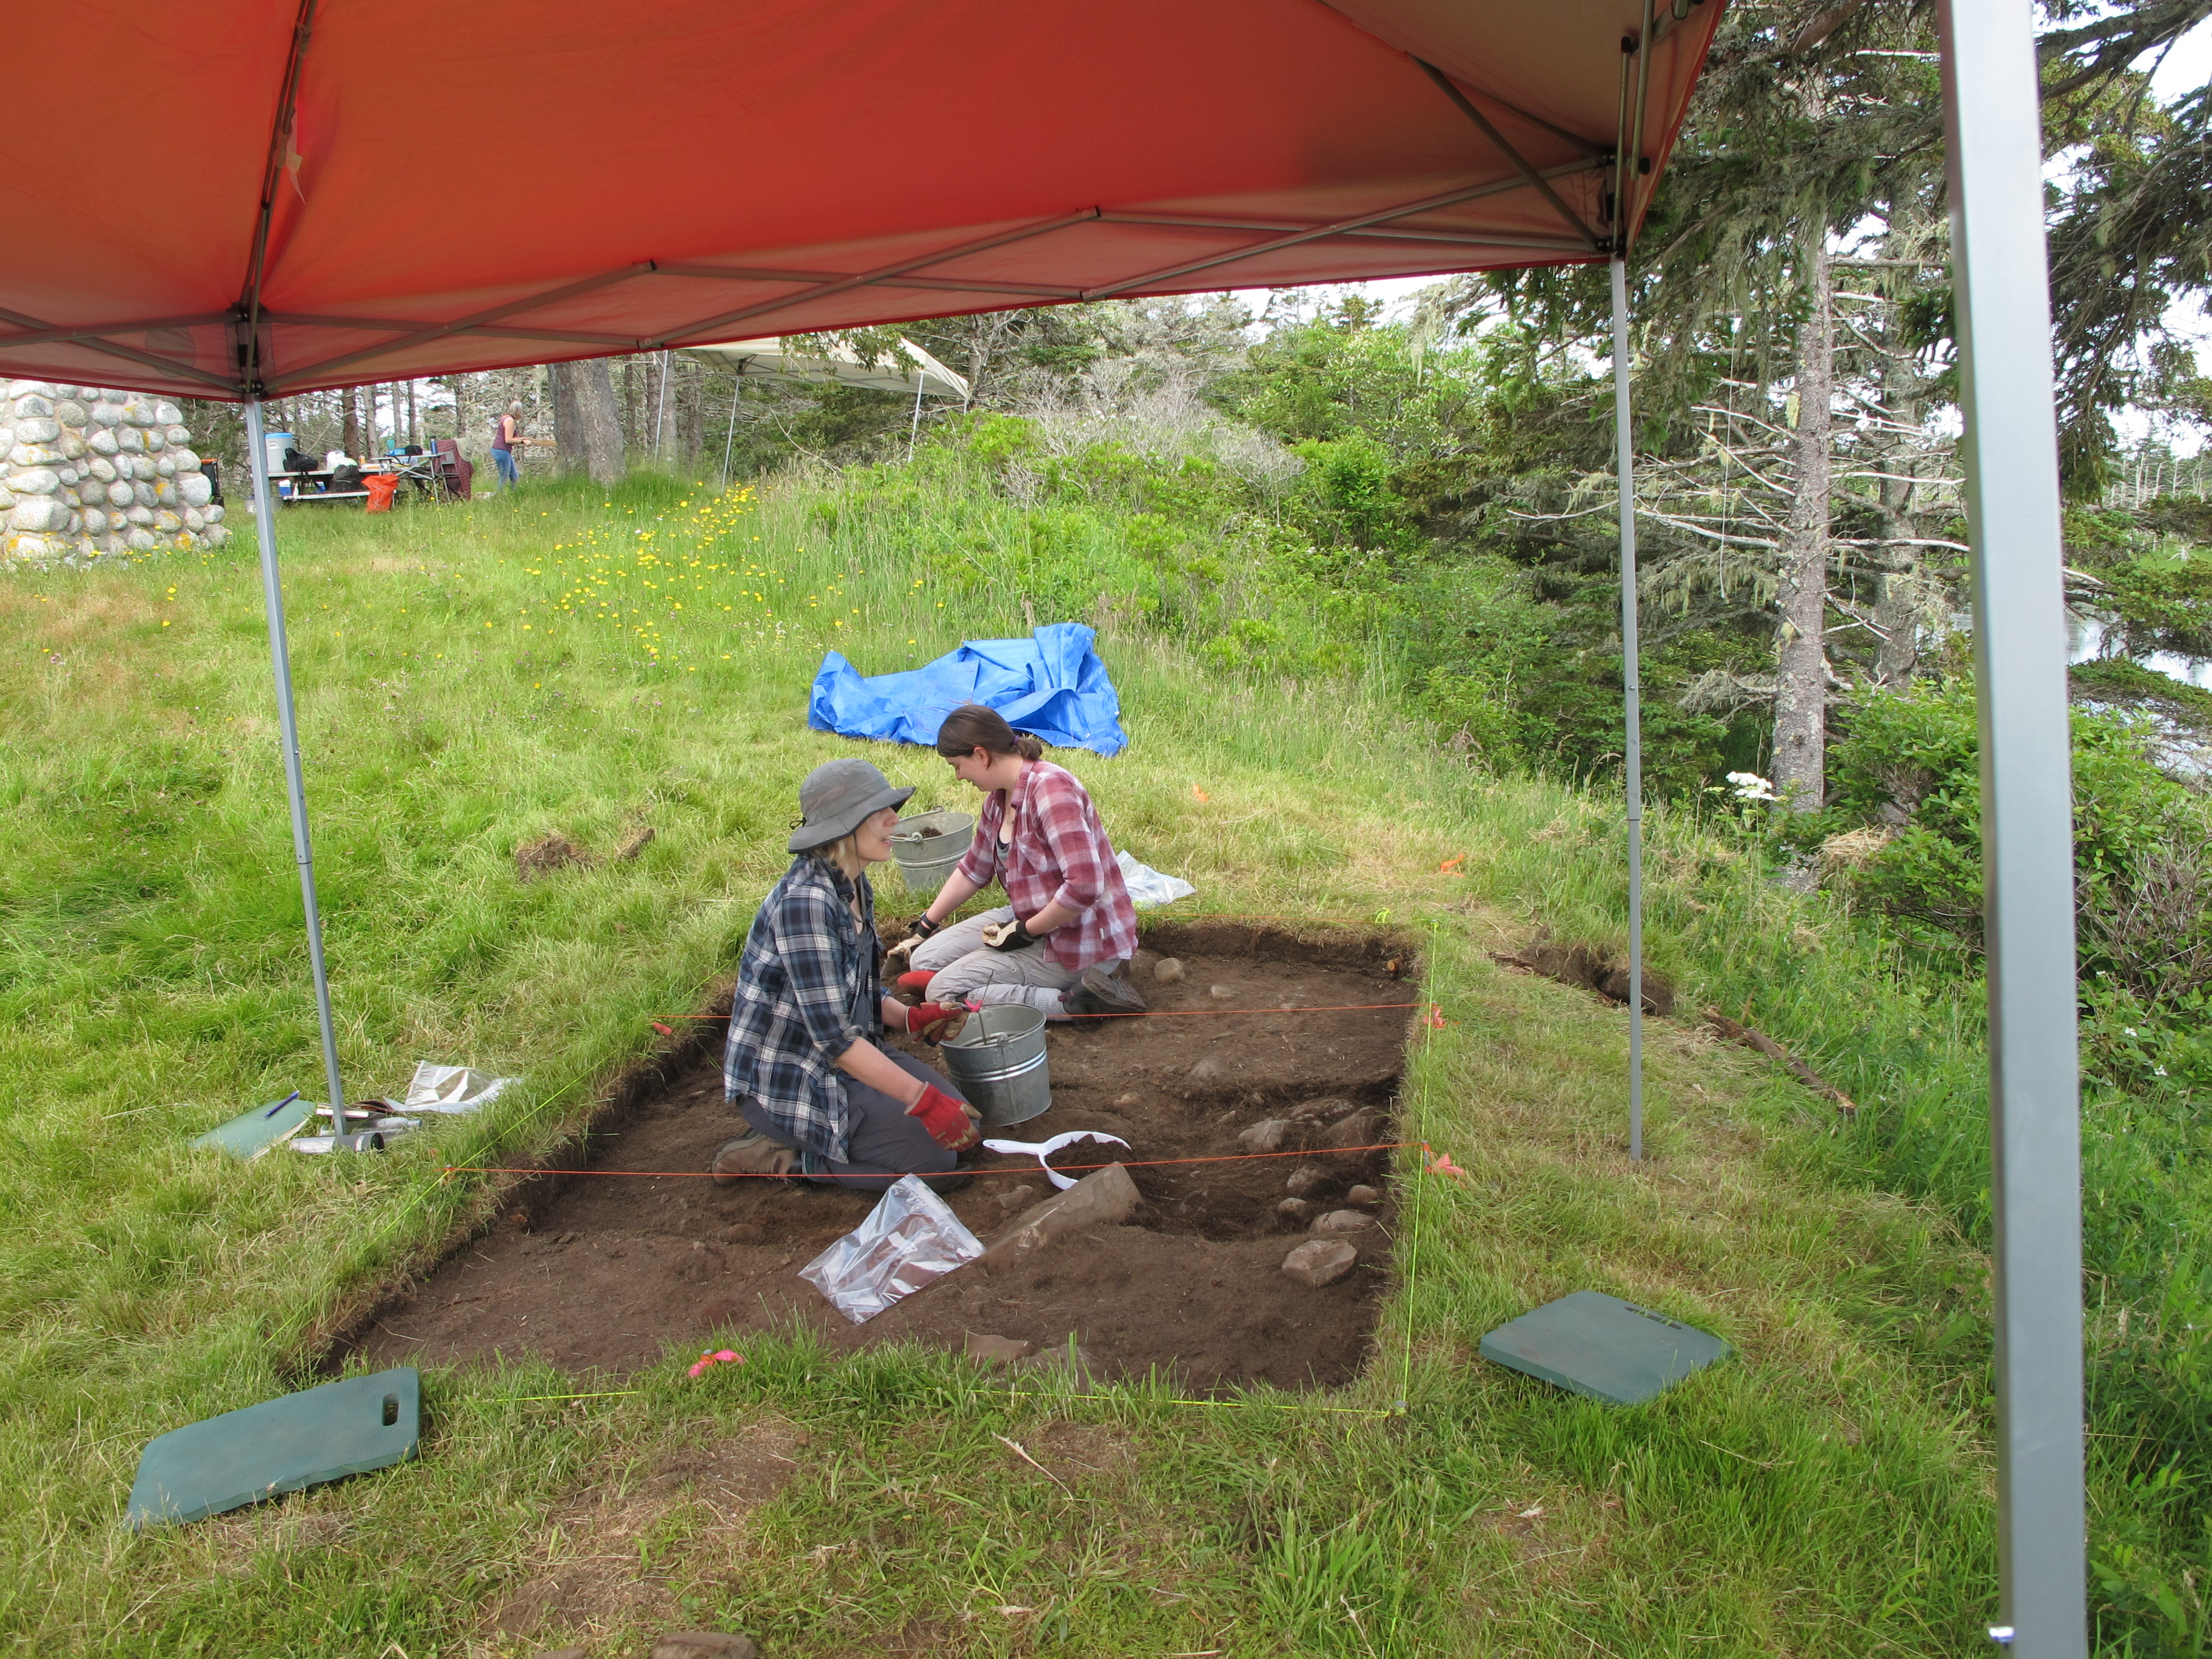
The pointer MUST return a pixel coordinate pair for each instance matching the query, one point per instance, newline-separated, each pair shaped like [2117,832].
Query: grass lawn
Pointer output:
[471,676]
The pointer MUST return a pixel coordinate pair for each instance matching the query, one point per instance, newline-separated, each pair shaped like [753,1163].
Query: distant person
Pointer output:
[506,436]
[1061,943]
[821,1099]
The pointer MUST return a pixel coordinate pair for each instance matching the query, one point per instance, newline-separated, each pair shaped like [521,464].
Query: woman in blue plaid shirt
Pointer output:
[820,1098]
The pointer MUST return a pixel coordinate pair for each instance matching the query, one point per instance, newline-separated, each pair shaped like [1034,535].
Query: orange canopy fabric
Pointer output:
[238,198]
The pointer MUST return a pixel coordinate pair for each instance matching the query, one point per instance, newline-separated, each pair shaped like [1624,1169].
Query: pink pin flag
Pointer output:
[1442,1164]
[719,1357]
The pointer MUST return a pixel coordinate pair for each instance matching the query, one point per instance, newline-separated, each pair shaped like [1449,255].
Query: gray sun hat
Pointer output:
[837,797]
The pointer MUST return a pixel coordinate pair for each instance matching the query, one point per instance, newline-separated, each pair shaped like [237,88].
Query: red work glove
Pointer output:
[934,1022]
[948,1121]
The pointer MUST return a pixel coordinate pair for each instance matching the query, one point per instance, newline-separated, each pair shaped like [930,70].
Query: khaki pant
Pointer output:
[965,970]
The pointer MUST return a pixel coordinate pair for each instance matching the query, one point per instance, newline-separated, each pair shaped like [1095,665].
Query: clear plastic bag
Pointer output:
[1148,887]
[909,1239]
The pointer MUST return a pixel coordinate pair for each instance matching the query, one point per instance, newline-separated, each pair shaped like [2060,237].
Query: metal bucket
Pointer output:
[998,1062]
[925,861]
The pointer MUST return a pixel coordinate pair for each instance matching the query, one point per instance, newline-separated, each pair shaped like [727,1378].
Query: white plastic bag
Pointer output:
[909,1239]
[452,1088]
[1148,887]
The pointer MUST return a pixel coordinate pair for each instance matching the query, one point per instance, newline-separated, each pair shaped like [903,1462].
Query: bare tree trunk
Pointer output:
[1897,613]
[350,420]
[691,412]
[569,452]
[414,420]
[598,421]
[1800,694]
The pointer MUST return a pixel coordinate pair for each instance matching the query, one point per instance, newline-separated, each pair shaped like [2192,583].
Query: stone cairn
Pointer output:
[86,472]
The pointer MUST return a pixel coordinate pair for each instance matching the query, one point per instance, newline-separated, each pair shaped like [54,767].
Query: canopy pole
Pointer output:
[272,595]
[914,427]
[1632,680]
[729,443]
[1999,276]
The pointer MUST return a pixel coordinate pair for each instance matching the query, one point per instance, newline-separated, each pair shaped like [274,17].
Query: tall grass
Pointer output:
[471,677]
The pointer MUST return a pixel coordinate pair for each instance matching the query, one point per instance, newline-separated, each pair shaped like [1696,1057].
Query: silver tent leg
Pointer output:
[729,443]
[2001,280]
[1632,698]
[265,531]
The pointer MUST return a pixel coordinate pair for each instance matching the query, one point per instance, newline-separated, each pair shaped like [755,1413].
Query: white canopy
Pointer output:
[907,368]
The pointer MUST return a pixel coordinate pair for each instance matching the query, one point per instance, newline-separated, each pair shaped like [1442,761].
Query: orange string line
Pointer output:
[891,1175]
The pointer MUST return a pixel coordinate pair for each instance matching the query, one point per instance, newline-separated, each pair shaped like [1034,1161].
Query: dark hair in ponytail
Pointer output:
[972,727]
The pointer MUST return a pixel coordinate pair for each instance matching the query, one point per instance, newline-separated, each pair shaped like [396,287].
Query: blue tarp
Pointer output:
[1051,685]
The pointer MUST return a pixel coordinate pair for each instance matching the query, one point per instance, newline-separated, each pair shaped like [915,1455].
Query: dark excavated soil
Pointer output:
[606,1273]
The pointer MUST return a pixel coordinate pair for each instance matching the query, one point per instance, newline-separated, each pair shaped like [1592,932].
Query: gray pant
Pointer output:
[965,970]
[884,1142]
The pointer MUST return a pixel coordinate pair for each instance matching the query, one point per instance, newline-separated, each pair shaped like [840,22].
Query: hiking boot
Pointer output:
[749,1156]
[1101,991]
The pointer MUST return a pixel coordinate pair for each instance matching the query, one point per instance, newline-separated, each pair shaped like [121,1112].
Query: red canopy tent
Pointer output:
[350,192]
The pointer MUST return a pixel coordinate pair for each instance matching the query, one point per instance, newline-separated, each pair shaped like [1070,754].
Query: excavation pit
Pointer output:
[606,1272]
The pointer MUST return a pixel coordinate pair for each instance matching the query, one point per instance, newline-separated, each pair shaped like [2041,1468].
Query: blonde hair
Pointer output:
[844,853]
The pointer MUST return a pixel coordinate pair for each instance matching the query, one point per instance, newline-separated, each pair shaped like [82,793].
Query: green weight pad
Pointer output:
[348,1427]
[254,1132]
[1599,1345]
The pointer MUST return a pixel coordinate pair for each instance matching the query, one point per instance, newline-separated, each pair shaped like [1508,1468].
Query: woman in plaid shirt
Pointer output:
[819,1096]
[1068,929]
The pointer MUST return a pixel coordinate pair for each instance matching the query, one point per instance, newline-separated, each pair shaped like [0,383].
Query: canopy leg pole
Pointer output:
[729,443]
[272,595]
[2000,276]
[914,427]
[1632,701]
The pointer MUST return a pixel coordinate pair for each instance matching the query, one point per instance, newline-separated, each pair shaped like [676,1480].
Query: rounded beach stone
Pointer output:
[108,411]
[194,490]
[1320,1262]
[166,466]
[194,521]
[218,535]
[36,481]
[70,412]
[139,515]
[37,430]
[165,494]
[102,442]
[140,541]
[168,524]
[215,515]
[72,446]
[29,547]
[130,440]
[119,494]
[35,455]
[7,498]
[34,406]
[178,435]
[142,493]
[1343,1224]
[101,468]
[95,521]
[40,512]
[168,413]
[187,460]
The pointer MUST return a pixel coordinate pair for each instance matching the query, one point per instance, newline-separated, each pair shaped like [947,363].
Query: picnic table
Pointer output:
[299,489]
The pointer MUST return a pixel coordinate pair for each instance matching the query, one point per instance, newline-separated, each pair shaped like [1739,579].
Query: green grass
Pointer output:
[1826,1490]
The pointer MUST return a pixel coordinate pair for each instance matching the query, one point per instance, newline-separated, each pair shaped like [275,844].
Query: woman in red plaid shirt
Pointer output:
[1061,943]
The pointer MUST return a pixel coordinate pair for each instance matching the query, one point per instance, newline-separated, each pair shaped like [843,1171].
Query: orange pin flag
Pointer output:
[1442,1164]
[1435,1020]
[1200,793]
[1451,863]
[663,1030]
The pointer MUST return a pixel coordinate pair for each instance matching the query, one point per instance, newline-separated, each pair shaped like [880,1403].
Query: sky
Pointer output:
[2185,67]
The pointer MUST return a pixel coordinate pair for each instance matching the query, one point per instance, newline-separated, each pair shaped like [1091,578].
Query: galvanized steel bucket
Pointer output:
[925,861]
[999,1062]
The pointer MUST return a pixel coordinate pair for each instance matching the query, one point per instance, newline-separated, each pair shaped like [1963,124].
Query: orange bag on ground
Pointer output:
[382,486]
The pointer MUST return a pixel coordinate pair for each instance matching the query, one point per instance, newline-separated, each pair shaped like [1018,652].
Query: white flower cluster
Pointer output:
[86,472]
[1749,787]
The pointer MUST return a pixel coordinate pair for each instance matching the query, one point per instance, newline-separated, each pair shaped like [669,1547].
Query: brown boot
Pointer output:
[750,1156]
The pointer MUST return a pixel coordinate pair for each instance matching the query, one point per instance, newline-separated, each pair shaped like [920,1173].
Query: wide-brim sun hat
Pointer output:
[838,797]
